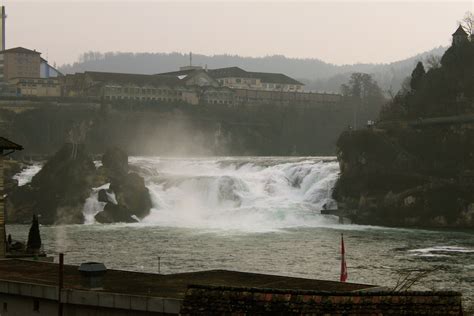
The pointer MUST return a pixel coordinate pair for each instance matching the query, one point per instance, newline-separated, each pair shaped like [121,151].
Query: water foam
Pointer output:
[25,175]
[440,250]
[250,194]
[92,206]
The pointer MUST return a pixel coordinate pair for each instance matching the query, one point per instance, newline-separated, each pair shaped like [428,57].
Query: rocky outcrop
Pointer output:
[58,192]
[132,199]
[408,177]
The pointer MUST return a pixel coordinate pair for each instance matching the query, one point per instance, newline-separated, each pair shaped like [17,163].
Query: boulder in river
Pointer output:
[132,197]
[58,191]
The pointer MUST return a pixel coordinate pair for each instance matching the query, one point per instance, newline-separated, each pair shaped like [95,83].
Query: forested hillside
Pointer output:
[316,74]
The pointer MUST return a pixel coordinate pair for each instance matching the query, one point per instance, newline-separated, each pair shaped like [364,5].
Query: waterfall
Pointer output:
[251,193]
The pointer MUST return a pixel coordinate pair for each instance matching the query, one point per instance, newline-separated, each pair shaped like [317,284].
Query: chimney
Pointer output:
[92,275]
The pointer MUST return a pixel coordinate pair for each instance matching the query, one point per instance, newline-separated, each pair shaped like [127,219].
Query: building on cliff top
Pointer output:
[226,86]
[27,74]
[31,288]
[460,36]
[237,78]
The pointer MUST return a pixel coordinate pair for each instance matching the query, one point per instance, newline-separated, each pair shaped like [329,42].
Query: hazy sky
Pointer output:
[337,32]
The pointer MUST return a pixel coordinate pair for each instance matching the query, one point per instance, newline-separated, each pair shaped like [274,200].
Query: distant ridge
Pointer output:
[316,74]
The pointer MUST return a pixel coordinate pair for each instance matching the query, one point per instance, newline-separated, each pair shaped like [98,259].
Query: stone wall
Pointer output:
[206,300]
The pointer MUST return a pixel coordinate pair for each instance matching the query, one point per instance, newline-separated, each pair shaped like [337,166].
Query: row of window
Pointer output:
[254,82]
[34,85]
[210,101]
[113,97]
[237,80]
[143,91]
[37,81]
[219,95]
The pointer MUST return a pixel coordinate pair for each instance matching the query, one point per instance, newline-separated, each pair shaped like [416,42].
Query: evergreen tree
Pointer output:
[34,238]
[417,76]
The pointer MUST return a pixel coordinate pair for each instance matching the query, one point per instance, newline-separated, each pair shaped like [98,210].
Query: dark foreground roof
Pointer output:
[170,285]
[20,50]
[6,144]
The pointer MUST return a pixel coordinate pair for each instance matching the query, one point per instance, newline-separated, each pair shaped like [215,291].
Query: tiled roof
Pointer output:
[218,300]
[228,72]
[179,73]
[266,77]
[9,145]
[269,77]
[460,31]
[20,50]
[139,79]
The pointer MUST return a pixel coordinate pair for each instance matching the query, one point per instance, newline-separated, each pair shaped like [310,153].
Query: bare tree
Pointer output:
[408,278]
[433,61]
[467,22]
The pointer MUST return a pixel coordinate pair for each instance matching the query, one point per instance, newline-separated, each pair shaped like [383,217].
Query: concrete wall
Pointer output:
[39,87]
[24,299]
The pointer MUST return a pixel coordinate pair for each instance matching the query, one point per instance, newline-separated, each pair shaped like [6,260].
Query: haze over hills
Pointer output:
[315,73]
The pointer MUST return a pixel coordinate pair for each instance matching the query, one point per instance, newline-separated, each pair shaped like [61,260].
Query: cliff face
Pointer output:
[170,129]
[412,176]
[416,167]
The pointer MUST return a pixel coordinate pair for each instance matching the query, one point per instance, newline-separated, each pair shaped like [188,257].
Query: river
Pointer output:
[258,214]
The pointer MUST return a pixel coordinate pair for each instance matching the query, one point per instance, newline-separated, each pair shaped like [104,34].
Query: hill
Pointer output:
[316,74]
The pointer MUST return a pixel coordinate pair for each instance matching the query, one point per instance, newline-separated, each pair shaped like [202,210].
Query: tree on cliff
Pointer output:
[34,238]
[417,76]
[467,22]
[365,94]
[446,89]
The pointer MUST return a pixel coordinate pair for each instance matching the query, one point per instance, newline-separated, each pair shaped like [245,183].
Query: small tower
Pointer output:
[460,36]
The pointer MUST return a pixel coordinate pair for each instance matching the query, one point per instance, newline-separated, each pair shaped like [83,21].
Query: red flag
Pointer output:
[343,277]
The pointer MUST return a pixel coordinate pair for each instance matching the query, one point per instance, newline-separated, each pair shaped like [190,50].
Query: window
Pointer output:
[36,305]
[5,307]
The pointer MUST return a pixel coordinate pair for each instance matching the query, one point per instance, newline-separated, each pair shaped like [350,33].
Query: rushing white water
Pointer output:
[27,174]
[93,206]
[249,194]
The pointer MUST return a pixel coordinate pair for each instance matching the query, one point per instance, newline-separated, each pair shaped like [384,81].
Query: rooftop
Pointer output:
[266,77]
[139,79]
[6,144]
[163,285]
[20,50]
[460,31]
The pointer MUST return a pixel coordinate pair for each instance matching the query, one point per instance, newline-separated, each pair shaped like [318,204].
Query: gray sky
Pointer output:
[337,32]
